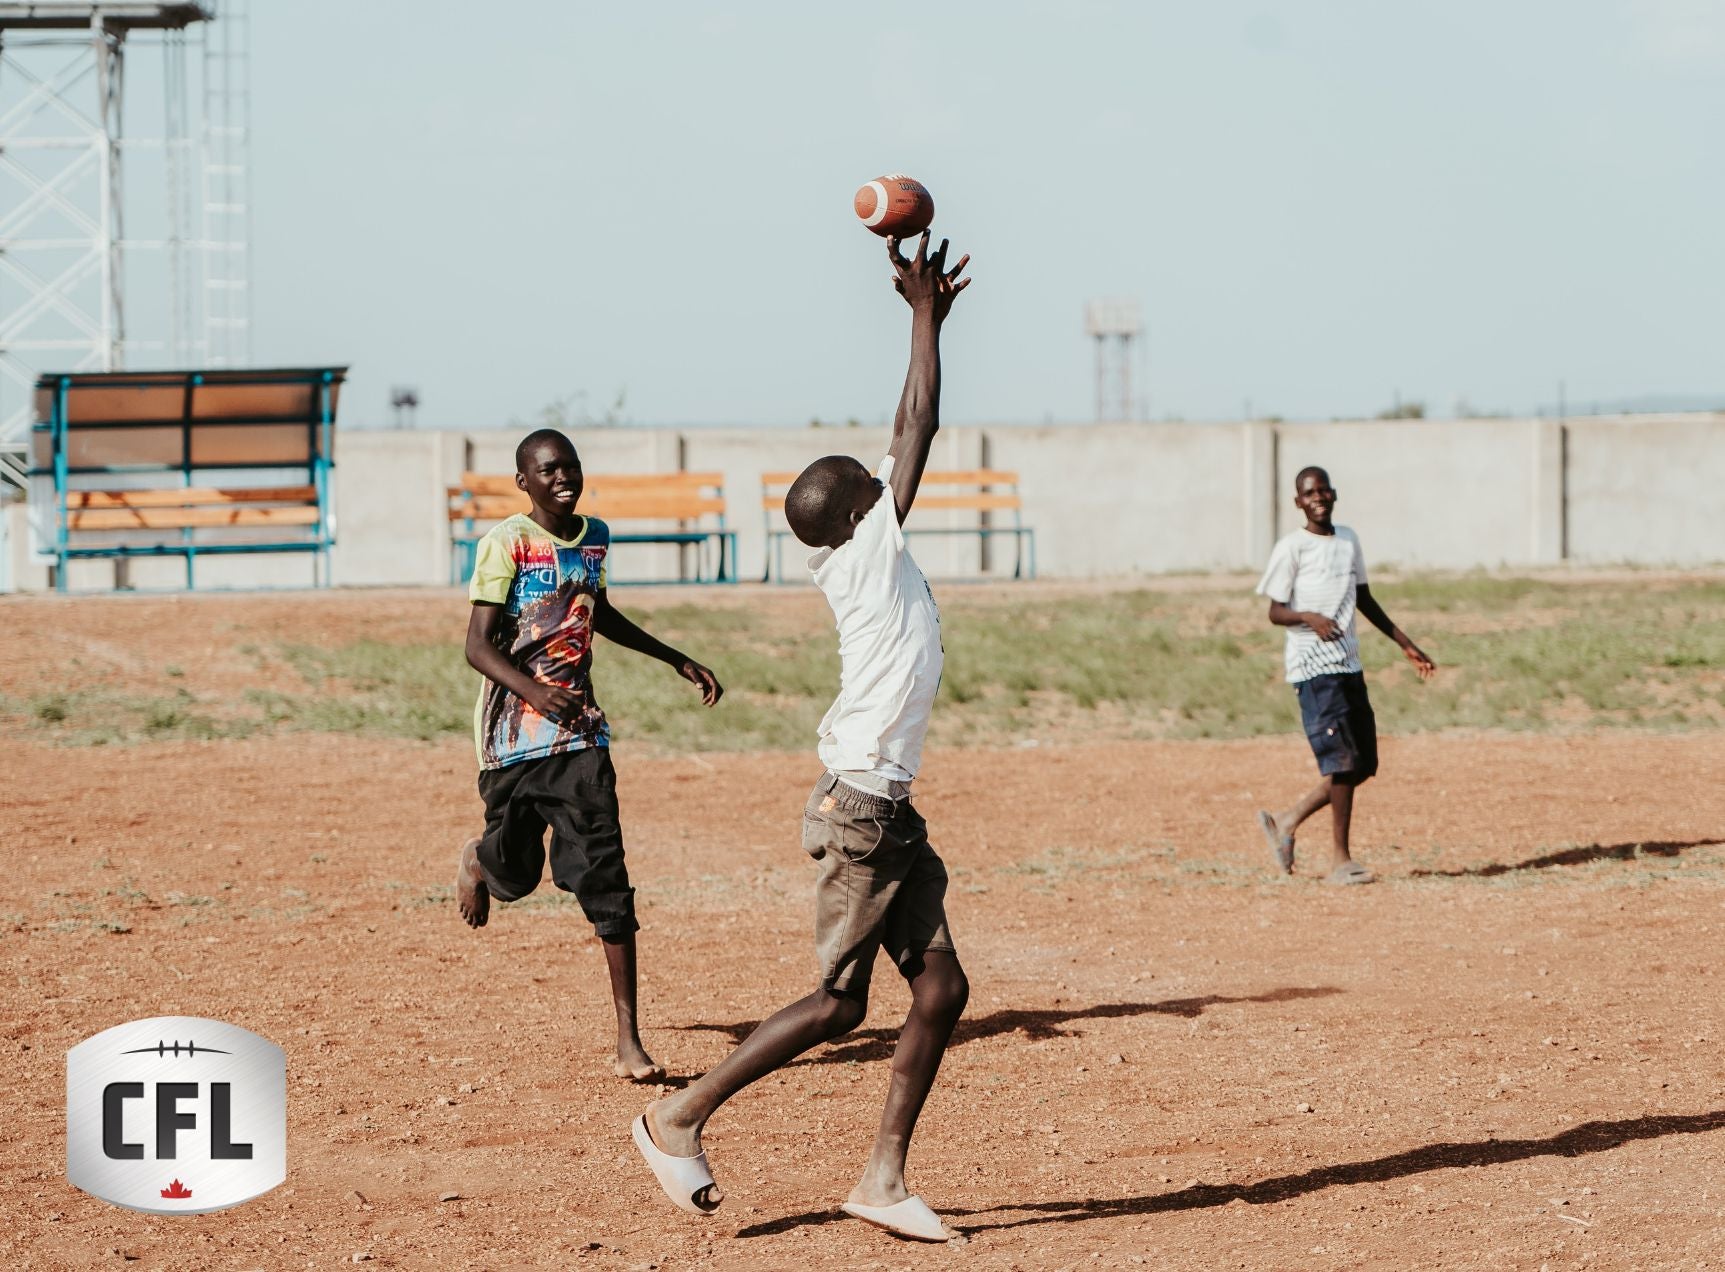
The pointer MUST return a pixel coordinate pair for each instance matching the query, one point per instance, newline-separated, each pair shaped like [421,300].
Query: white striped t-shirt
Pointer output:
[1317,573]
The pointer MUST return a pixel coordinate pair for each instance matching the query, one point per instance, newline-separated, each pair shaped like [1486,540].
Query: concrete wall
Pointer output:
[1651,492]
[1106,500]
[1449,494]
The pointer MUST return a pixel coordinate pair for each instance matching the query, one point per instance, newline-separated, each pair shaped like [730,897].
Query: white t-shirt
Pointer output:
[1317,573]
[889,647]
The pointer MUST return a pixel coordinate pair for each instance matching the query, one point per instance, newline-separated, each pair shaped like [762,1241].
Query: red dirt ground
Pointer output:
[1506,1068]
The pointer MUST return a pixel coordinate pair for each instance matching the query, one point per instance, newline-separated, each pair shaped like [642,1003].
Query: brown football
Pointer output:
[895,205]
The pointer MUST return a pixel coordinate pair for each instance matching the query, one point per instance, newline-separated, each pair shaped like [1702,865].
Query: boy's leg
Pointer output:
[472,897]
[847,833]
[918,938]
[1358,730]
[675,1122]
[1336,793]
[579,801]
[1341,814]
[632,1060]
[1288,820]
[507,861]
[1339,725]
[938,992]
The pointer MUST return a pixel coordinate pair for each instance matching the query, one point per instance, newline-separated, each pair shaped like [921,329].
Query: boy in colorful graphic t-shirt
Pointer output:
[538,596]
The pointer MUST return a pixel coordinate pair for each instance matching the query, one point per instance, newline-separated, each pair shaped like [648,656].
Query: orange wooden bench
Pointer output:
[90,513]
[192,464]
[985,491]
[186,509]
[695,501]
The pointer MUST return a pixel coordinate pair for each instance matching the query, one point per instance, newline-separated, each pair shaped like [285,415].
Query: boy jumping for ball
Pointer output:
[538,595]
[1316,580]
[880,883]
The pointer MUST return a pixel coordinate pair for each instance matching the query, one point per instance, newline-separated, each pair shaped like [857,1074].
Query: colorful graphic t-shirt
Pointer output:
[548,588]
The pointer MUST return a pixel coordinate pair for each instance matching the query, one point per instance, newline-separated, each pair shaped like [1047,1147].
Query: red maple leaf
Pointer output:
[177,1190]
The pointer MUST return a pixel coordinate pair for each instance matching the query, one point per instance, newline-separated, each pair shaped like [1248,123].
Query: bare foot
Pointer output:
[633,1062]
[676,1139]
[470,892]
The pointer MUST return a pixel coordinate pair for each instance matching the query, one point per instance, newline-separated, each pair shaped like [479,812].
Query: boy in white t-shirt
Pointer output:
[1316,582]
[880,882]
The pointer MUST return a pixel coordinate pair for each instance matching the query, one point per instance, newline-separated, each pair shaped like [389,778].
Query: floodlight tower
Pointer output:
[1115,325]
[227,218]
[64,206]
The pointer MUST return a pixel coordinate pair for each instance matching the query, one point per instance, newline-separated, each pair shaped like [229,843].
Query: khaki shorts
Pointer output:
[880,883]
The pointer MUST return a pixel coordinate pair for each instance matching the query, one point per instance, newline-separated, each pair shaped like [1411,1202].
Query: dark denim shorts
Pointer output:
[1340,726]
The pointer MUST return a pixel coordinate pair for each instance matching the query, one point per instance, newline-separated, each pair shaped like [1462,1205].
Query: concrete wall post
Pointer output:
[1549,499]
[1258,491]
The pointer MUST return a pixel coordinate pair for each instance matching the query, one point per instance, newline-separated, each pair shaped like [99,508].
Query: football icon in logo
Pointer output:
[176,1115]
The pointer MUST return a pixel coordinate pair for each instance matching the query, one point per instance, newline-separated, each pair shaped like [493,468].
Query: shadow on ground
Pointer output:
[1036,1024]
[1577,1141]
[1574,857]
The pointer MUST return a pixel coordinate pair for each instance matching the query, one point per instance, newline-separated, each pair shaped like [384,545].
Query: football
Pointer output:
[895,205]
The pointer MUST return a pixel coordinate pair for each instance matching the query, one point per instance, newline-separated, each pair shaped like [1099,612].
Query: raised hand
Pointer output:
[924,280]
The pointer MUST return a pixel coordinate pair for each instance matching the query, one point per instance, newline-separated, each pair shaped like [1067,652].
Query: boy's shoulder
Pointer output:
[511,529]
[518,527]
[1299,537]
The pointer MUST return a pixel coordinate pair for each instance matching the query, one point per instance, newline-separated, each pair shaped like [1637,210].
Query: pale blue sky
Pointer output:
[1319,204]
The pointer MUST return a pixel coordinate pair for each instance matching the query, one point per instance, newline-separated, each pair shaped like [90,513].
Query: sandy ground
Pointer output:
[1506,1054]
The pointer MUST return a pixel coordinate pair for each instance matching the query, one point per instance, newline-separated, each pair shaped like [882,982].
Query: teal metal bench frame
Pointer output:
[320,424]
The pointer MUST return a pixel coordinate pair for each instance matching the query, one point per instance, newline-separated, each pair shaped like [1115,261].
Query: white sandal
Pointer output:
[682,1178]
[910,1218]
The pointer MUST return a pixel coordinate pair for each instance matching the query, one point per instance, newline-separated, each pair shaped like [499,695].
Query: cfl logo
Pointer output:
[176,1115]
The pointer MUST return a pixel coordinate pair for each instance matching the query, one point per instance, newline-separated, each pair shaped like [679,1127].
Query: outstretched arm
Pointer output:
[615,626]
[929,287]
[1374,613]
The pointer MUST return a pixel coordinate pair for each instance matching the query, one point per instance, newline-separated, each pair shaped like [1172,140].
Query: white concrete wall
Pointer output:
[1649,491]
[1105,500]
[1130,498]
[1449,494]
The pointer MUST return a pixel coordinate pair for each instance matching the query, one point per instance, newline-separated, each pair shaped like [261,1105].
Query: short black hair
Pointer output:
[537,437]
[1308,471]
[821,497]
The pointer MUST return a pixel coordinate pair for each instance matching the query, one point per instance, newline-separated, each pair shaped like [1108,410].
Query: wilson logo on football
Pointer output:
[176,1115]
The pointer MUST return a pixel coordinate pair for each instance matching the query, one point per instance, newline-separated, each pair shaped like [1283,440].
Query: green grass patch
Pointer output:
[1023,664]
[99,716]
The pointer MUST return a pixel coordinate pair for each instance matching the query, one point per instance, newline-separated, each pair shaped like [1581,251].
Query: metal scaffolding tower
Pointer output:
[1115,326]
[227,340]
[78,170]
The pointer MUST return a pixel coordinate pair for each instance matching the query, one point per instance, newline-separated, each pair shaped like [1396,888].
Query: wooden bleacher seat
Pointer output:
[184,463]
[481,500]
[985,491]
[185,509]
